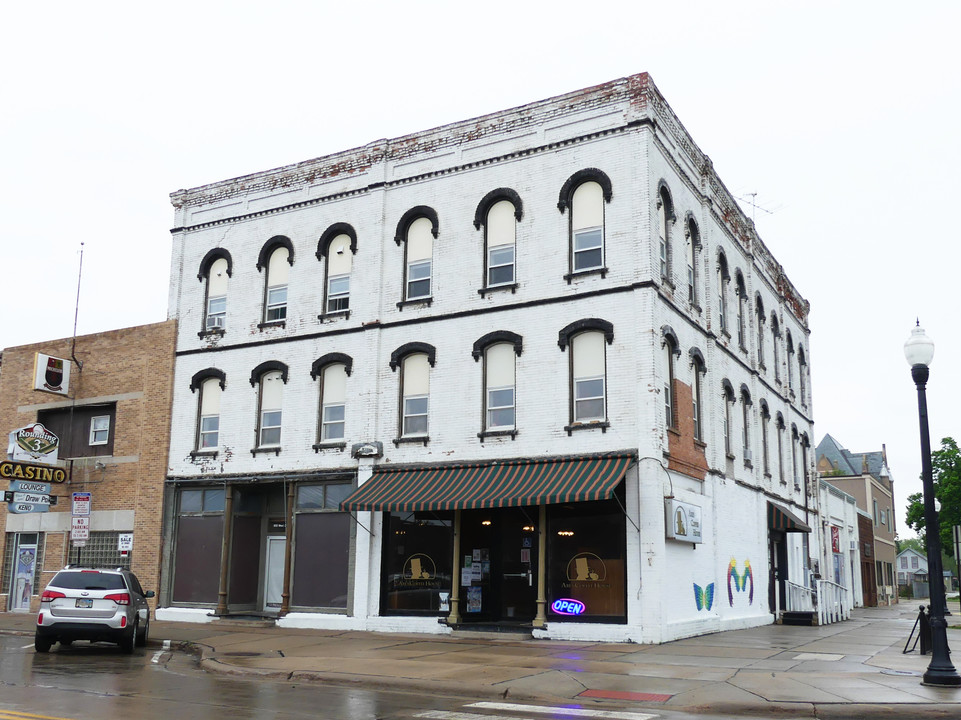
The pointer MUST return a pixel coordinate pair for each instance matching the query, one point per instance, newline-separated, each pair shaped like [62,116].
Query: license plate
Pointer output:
[84,602]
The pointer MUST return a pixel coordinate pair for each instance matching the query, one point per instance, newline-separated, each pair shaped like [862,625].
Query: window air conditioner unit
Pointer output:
[854,545]
[215,321]
[748,455]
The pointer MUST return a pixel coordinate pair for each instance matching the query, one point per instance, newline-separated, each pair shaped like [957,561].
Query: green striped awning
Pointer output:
[490,485]
[779,518]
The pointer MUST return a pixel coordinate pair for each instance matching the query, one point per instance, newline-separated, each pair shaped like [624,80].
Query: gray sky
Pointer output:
[842,117]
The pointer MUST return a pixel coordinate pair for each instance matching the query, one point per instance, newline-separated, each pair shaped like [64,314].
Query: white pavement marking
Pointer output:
[560,710]
[166,644]
[24,647]
[156,657]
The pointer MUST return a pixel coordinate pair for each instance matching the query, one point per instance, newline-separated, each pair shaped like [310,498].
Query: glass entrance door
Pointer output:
[24,568]
[498,565]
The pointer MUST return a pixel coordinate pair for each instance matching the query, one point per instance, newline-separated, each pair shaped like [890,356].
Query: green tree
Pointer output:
[946,469]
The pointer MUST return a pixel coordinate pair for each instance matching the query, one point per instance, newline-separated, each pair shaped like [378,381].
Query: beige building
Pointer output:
[113,424]
[867,478]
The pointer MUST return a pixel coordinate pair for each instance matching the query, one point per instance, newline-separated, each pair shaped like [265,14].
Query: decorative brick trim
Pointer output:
[578,326]
[265,367]
[413,214]
[210,258]
[340,228]
[495,196]
[318,366]
[498,336]
[412,348]
[277,241]
[201,375]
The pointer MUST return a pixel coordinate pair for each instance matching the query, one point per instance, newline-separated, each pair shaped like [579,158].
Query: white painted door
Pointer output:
[274,577]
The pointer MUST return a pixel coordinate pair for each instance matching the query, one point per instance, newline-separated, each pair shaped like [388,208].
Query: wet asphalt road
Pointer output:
[97,681]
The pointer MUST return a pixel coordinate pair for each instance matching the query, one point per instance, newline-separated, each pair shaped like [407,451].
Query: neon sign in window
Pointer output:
[567,606]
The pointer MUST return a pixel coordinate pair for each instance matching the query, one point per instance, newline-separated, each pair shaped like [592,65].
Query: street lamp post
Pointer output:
[919,351]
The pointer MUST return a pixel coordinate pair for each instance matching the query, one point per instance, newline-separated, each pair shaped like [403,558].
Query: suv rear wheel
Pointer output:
[42,644]
[129,639]
[142,636]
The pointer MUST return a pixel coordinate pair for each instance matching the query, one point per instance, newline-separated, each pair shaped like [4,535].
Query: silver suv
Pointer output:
[87,603]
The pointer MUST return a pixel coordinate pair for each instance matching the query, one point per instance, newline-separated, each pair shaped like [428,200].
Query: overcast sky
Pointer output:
[842,117]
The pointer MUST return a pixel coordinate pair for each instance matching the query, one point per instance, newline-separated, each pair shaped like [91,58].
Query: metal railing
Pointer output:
[833,605]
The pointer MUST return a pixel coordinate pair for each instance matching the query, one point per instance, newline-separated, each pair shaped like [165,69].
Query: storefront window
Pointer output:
[200,528]
[321,547]
[417,563]
[586,566]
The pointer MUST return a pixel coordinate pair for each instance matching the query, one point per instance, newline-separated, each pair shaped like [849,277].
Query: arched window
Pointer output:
[794,458]
[417,230]
[700,368]
[333,370]
[588,376]
[790,362]
[215,269]
[802,368]
[723,278]
[499,388]
[271,377]
[742,310]
[670,349]
[779,424]
[759,311]
[210,383]
[765,427]
[585,193]
[415,361]
[693,245]
[746,425]
[665,218]
[776,346]
[727,393]
[337,246]
[276,256]
[499,212]
[588,371]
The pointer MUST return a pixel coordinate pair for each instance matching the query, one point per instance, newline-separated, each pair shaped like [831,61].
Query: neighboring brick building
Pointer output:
[114,429]
[866,477]
[466,374]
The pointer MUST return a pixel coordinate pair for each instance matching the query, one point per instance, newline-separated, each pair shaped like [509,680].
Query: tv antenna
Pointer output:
[752,199]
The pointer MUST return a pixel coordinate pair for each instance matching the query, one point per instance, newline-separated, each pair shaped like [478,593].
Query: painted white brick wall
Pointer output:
[451,171]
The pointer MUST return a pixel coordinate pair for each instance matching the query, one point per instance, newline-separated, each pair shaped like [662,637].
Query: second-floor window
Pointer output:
[333,404]
[415,395]
[270,415]
[499,387]
[588,377]
[339,259]
[276,258]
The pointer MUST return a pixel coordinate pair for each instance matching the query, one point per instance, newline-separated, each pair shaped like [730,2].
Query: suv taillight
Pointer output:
[119,598]
[49,595]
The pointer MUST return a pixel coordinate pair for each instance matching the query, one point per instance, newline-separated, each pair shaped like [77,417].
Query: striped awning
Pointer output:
[490,485]
[779,518]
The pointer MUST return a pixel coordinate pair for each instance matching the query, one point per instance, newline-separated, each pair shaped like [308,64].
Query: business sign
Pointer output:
[682,521]
[80,528]
[21,472]
[33,442]
[835,539]
[51,374]
[81,504]
[568,606]
[125,542]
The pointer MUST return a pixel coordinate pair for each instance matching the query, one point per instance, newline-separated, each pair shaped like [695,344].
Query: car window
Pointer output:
[135,584]
[91,580]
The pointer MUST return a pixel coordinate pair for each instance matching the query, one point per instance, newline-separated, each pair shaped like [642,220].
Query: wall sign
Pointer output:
[682,521]
[33,443]
[51,374]
[568,606]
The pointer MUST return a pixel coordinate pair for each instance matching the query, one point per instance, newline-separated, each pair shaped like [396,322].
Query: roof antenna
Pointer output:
[76,313]
[755,207]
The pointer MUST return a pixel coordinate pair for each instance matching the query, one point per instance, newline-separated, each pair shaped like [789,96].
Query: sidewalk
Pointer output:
[850,669]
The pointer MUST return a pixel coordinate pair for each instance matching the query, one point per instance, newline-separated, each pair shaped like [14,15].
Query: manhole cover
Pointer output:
[908,673]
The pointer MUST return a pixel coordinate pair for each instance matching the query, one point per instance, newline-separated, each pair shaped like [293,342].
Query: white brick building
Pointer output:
[479,316]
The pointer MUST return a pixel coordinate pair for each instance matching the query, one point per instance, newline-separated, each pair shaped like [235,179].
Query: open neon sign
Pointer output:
[566,606]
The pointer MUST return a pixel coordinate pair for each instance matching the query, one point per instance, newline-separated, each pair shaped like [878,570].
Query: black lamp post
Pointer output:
[919,351]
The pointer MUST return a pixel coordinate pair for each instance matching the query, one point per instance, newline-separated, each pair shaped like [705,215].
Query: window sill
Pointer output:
[491,289]
[272,324]
[596,425]
[761,366]
[497,433]
[602,271]
[700,443]
[411,440]
[729,455]
[674,431]
[748,464]
[767,475]
[725,333]
[212,332]
[329,446]
[695,307]
[665,282]
[275,449]
[428,301]
[324,317]
[195,454]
